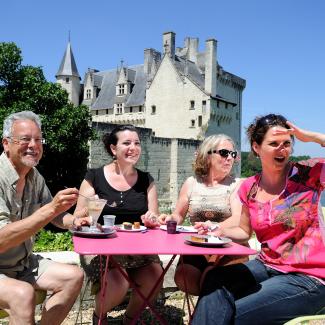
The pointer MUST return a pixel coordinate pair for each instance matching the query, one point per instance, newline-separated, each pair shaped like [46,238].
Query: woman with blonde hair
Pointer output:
[209,200]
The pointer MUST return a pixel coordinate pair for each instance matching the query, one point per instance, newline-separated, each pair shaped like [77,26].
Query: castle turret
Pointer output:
[68,76]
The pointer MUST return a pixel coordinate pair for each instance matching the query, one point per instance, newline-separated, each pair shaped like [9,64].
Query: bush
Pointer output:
[48,241]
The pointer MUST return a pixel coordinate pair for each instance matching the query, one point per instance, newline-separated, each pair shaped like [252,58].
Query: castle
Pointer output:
[180,95]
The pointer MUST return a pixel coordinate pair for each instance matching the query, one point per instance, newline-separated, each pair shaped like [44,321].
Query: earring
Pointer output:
[114,157]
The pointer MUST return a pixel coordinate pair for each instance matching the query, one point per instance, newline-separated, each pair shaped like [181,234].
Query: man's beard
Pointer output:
[29,163]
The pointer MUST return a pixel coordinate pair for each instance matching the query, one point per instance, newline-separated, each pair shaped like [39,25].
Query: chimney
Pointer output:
[169,44]
[210,83]
[192,45]
[151,58]
[148,57]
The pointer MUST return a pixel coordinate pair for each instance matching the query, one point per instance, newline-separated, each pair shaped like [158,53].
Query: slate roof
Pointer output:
[68,65]
[190,70]
[106,81]
[107,96]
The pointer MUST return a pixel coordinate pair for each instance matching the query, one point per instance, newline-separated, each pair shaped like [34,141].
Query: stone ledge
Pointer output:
[68,257]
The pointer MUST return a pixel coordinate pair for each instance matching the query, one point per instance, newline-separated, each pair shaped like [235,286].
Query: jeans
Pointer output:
[251,293]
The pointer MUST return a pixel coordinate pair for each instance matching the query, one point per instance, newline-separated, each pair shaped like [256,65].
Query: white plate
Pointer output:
[121,228]
[212,241]
[84,232]
[180,228]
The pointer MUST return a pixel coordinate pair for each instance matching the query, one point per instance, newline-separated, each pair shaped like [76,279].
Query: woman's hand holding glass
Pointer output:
[81,218]
[150,219]
[163,218]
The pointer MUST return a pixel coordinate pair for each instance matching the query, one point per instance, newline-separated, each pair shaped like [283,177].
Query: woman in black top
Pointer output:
[132,196]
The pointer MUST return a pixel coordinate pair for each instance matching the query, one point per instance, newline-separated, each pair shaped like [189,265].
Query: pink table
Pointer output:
[154,241]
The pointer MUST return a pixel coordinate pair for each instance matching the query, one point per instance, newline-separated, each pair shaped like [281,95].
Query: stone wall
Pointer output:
[169,161]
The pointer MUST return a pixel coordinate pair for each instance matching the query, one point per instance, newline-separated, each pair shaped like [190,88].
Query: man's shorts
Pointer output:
[37,266]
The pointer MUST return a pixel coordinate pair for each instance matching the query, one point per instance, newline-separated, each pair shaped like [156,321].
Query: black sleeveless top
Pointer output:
[127,205]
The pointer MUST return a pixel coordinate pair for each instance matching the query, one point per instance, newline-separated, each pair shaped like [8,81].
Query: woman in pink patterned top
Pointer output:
[281,205]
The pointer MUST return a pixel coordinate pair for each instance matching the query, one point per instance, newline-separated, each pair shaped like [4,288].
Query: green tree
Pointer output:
[66,128]
[251,165]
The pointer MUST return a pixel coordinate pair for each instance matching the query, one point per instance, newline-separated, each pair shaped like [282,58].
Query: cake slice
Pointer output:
[198,239]
[127,225]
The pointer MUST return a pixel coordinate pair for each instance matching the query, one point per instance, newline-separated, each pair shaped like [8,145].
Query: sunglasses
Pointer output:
[271,119]
[224,153]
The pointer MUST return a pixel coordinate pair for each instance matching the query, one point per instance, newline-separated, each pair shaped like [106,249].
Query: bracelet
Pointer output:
[73,222]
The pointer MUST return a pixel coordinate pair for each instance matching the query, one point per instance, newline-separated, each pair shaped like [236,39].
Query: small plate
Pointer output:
[84,232]
[212,241]
[121,228]
[180,228]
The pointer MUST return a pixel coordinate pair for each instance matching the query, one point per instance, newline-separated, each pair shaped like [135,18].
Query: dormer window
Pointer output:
[88,93]
[67,80]
[121,89]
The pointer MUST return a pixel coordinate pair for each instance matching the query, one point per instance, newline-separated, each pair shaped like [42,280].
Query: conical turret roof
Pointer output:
[68,65]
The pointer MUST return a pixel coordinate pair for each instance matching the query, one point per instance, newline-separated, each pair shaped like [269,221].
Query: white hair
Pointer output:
[24,115]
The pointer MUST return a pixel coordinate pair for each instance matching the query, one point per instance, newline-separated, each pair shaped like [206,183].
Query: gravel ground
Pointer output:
[169,305]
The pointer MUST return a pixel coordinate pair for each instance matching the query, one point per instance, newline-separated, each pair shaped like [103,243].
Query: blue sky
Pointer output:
[278,46]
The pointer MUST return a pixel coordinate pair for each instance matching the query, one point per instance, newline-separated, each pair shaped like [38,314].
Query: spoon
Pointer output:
[113,205]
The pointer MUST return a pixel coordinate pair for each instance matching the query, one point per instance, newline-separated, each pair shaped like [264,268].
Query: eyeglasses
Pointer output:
[26,140]
[224,153]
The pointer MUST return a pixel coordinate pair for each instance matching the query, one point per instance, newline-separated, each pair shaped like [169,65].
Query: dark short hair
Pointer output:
[257,129]
[112,138]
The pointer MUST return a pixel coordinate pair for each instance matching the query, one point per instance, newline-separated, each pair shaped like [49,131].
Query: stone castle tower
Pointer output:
[68,76]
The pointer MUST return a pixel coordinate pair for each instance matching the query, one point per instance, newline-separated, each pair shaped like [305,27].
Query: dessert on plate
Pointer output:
[127,225]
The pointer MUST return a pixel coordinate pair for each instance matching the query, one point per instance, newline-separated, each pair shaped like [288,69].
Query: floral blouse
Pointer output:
[290,227]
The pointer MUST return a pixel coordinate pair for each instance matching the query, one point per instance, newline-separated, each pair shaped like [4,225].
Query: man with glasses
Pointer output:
[26,205]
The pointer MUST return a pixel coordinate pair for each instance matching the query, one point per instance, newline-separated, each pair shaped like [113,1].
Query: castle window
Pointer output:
[226,105]
[131,109]
[140,108]
[88,93]
[218,103]
[67,80]
[121,89]
[153,109]
[106,111]
[200,120]
[204,104]
[192,104]
[119,108]
[192,123]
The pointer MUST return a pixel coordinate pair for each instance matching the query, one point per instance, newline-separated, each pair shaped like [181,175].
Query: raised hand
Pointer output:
[64,200]
[300,134]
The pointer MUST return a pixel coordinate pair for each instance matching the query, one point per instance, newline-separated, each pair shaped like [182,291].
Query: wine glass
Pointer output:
[95,208]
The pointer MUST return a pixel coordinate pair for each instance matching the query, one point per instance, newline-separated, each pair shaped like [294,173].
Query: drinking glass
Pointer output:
[95,208]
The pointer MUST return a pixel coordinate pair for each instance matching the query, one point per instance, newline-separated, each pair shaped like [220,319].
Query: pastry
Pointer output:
[198,239]
[136,225]
[127,225]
